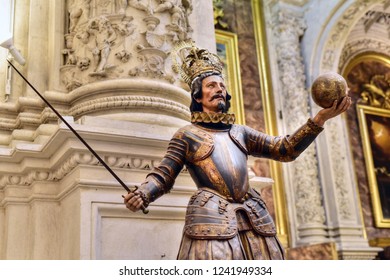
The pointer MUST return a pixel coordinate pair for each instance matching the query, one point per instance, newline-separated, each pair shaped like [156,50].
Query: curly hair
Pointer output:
[196,93]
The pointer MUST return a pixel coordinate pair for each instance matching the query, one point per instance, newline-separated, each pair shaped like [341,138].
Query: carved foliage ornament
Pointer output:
[376,93]
[219,14]
[72,162]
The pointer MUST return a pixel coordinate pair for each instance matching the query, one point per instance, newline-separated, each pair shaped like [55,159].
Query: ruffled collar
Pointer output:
[212,118]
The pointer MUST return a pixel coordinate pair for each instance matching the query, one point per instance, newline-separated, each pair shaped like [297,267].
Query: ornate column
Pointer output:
[117,57]
[305,206]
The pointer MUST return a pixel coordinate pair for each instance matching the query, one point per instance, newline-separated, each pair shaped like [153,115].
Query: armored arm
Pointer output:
[162,177]
[279,148]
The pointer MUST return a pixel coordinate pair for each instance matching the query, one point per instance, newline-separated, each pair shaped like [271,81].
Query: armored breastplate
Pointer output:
[218,163]
[215,153]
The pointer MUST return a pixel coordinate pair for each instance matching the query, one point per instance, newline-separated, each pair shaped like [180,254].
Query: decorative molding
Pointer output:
[377,17]
[19,114]
[27,119]
[219,15]
[121,97]
[131,102]
[376,93]
[341,29]
[355,48]
[78,158]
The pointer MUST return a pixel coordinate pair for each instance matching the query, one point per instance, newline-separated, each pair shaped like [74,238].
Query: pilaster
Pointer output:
[302,183]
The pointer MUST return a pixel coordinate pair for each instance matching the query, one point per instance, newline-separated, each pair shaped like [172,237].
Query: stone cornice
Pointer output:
[125,97]
[63,153]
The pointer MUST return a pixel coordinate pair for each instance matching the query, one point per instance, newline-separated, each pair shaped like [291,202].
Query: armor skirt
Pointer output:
[217,229]
[247,245]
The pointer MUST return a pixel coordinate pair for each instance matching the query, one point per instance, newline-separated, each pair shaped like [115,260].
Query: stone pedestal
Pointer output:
[64,205]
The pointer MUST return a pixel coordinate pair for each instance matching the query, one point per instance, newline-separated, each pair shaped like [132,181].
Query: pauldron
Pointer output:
[211,216]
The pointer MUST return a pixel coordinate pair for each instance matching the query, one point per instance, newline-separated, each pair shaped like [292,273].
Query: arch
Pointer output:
[336,28]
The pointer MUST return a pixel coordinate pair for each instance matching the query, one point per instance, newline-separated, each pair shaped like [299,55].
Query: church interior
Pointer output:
[110,70]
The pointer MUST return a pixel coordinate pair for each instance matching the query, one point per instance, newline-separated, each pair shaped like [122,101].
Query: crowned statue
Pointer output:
[226,218]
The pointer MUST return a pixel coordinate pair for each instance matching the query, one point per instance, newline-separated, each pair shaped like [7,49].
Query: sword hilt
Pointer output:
[143,208]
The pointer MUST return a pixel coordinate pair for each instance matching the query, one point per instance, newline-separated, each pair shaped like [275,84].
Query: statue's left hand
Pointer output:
[328,113]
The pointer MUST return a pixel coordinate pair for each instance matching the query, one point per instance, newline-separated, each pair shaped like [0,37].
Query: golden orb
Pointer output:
[327,88]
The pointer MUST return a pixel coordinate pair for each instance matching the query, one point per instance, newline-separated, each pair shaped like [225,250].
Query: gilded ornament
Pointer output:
[376,93]
[219,13]
[190,61]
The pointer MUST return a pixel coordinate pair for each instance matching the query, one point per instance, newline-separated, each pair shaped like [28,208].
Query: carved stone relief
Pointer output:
[377,17]
[341,29]
[117,39]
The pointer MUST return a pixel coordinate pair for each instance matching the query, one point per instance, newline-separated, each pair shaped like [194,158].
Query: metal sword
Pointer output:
[144,209]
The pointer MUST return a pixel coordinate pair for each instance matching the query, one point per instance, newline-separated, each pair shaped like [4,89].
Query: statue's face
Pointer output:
[213,94]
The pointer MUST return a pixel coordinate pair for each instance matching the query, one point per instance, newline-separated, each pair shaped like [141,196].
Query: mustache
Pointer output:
[218,95]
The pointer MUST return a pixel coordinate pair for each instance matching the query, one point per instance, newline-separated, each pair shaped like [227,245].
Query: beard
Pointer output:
[222,106]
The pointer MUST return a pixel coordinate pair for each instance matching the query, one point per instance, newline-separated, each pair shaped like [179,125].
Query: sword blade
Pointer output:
[77,135]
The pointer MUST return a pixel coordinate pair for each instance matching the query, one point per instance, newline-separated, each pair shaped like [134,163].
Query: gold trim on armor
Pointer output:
[315,127]
[214,176]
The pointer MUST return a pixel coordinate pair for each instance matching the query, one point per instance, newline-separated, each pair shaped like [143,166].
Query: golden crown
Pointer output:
[196,62]
[200,61]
